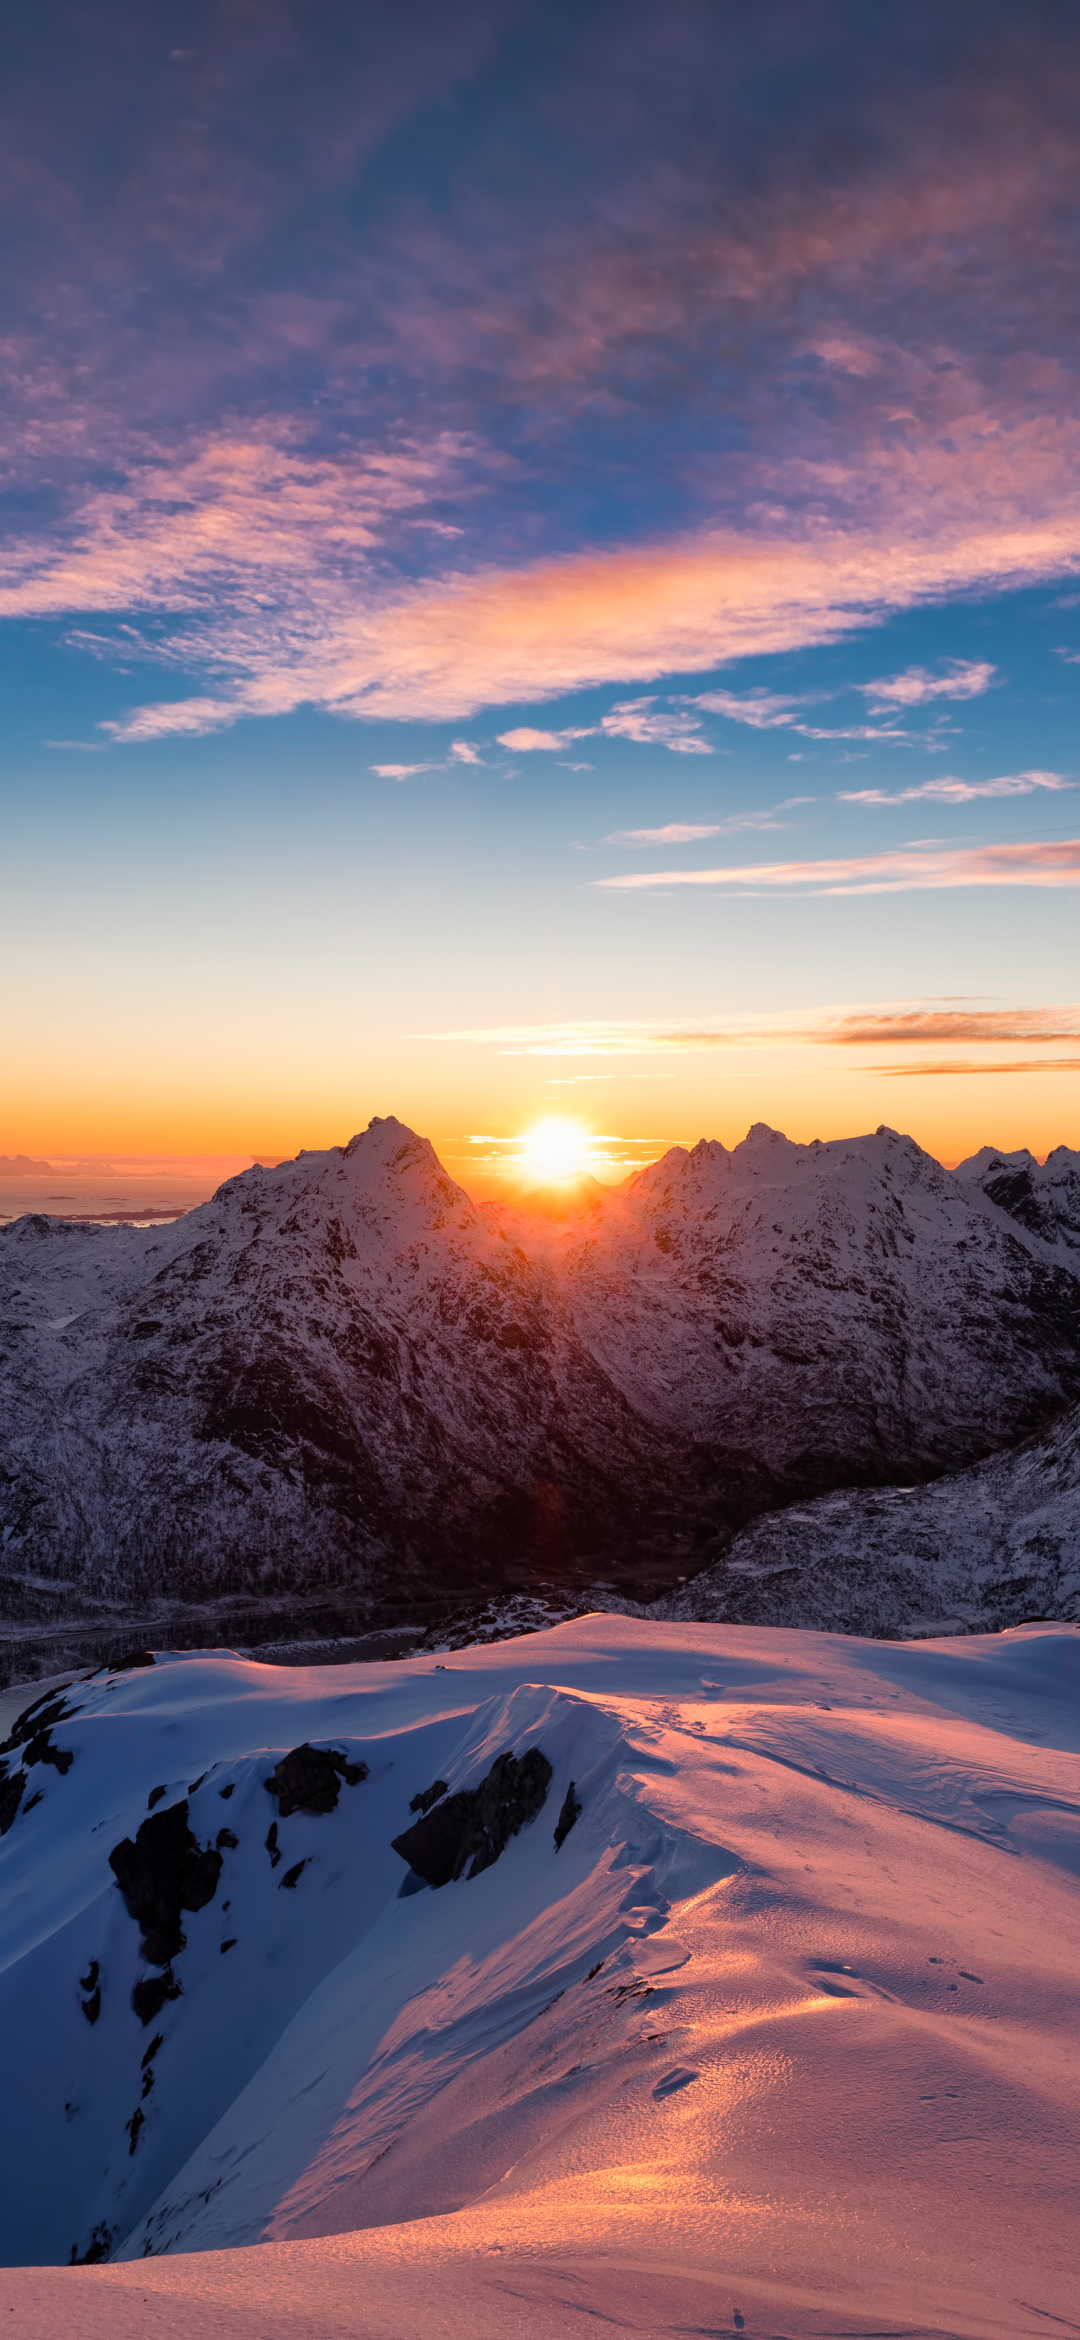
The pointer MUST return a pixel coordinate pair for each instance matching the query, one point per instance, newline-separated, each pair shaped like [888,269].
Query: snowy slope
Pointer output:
[1041,1197]
[342,1380]
[785,2027]
[975,1551]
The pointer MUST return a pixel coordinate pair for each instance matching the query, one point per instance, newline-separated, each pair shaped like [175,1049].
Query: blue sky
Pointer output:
[384,390]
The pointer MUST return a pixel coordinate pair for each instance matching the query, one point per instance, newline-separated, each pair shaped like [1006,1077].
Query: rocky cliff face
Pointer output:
[342,1377]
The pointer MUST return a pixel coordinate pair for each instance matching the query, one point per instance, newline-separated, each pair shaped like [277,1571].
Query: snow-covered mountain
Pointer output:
[342,1379]
[684,1978]
[972,1552]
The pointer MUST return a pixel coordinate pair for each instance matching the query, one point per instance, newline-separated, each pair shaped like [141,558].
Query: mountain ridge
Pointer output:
[341,1377]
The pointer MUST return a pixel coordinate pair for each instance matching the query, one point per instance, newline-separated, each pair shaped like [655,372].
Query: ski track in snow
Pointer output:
[782,2040]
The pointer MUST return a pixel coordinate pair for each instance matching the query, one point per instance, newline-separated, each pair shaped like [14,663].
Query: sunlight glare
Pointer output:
[555,1149]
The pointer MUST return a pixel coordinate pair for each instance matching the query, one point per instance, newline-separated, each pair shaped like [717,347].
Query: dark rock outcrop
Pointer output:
[475,1826]
[428,1796]
[571,1811]
[151,1993]
[163,1872]
[309,1779]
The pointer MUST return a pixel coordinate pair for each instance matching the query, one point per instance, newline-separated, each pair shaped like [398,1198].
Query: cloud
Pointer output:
[891,341]
[918,869]
[764,710]
[402,771]
[275,569]
[525,741]
[634,719]
[964,678]
[463,752]
[899,1025]
[1020,1064]
[676,833]
[686,833]
[174,718]
[946,790]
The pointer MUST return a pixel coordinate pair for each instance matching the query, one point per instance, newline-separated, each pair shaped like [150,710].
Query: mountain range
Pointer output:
[342,1389]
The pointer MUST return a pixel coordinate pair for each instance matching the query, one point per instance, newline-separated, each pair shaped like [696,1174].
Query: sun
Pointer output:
[555,1150]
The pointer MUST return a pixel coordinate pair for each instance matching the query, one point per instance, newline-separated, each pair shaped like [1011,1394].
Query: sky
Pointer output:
[540,576]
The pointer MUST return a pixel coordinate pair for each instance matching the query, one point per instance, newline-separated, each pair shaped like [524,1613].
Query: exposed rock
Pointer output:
[226,1840]
[476,1824]
[162,1873]
[97,2249]
[155,1797]
[11,1788]
[89,1982]
[309,1779]
[571,1811]
[132,1657]
[291,1876]
[272,1844]
[32,1733]
[150,1994]
[428,1796]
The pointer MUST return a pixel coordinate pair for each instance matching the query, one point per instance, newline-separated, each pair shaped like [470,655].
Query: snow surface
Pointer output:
[783,2040]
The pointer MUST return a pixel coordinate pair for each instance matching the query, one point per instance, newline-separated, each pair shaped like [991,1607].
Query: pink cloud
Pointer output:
[964,678]
[919,868]
[763,710]
[525,741]
[676,833]
[635,719]
[947,790]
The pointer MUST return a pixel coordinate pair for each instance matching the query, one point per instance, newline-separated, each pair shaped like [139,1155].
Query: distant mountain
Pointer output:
[341,1381]
[23,1166]
[988,1547]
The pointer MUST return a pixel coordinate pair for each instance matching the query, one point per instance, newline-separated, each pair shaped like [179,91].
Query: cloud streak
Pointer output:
[921,868]
[901,1025]
[891,344]
[964,678]
[947,790]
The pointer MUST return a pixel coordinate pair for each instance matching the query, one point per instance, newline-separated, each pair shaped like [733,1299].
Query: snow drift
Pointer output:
[758,2012]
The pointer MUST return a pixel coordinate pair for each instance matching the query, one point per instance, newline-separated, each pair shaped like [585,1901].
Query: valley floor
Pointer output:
[781,2039]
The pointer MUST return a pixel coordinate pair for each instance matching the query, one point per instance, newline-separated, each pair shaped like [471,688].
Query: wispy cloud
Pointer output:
[175,718]
[963,678]
[763,710]
[637,719]
[277,563]
[900,1024]
[687,832]
[402,771]
[1017,1064]
[948,790]
[462,751]
[919,868]
[892,344]
[526,741]
[675,833]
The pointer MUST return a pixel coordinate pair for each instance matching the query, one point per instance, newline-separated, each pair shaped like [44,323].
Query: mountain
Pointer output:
[666,1978]
[975,1551]
[343,1385]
